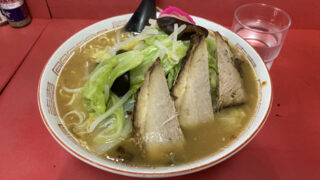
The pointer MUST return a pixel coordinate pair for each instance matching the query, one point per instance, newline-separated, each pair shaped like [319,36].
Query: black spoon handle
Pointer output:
[140,18]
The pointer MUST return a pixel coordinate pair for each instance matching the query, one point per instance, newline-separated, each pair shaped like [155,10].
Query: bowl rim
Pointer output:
[193,169]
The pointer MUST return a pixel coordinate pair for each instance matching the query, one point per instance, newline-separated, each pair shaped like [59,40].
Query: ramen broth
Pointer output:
[201,141]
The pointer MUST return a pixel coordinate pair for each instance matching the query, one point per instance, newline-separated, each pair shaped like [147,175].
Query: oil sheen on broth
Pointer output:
[200,142]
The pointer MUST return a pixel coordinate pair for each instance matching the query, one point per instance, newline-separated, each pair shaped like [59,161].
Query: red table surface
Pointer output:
[15,45]
[39,8]
[287,147]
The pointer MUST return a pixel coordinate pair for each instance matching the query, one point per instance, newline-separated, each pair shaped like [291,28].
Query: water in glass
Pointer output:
[259,35]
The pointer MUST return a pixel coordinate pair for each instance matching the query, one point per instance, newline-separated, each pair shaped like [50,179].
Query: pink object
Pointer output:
[177,13]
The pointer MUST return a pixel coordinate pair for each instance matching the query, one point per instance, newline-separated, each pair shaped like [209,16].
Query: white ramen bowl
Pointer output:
[48,110]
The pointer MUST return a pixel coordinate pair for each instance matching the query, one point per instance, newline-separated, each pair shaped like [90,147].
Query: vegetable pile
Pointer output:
[110,106]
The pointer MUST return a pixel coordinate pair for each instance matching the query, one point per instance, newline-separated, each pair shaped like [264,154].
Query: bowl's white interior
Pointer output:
[46,102]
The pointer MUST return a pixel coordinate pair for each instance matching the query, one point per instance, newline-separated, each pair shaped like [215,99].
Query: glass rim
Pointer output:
[263,5]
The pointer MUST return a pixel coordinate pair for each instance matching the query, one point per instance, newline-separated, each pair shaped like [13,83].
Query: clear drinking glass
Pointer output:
[264,27]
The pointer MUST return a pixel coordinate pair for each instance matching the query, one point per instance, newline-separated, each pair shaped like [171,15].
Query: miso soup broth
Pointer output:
[201,141]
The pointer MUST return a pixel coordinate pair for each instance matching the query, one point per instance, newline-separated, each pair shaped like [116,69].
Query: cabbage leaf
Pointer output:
[170,53]
[213,69]
[150,54]
[104,75]
[110,134]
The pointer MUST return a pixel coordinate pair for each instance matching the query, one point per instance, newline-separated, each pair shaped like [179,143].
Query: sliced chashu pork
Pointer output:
[192,88]
[155,118]
[230,87]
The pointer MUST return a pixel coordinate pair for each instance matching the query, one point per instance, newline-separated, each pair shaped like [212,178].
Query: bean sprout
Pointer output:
[69,90]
